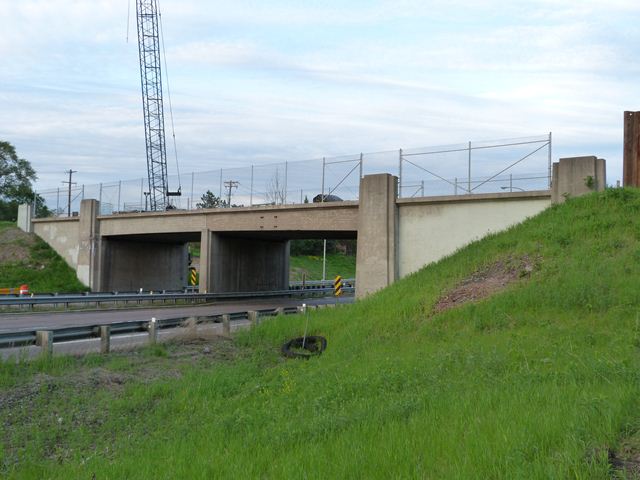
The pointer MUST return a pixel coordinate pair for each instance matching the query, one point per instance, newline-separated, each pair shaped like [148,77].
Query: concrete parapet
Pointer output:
[376,263]
[25,215]
[575,176]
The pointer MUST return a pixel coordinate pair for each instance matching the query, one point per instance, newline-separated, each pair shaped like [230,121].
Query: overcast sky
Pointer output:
[258,82]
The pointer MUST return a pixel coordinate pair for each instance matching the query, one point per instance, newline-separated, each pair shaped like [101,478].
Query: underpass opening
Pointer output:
[147,262]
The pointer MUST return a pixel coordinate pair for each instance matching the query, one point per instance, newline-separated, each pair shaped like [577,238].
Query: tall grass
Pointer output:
[537,381]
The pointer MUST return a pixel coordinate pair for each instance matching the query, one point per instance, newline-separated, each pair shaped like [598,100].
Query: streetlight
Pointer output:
[510,188]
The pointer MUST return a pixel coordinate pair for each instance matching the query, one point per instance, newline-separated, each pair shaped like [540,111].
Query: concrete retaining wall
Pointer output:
[432,229]
[62,235]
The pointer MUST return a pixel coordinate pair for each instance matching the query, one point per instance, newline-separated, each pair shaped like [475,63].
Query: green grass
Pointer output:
[337,264]
[537,381]
[43,271]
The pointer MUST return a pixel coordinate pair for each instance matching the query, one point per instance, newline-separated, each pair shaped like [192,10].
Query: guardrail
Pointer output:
[150,297]
[46,338]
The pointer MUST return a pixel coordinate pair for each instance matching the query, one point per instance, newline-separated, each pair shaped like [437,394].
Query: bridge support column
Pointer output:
[204,282]
[238,264]
[89,254]
[377,257]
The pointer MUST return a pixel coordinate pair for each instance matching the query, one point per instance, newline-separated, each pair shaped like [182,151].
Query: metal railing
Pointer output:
[159,297]
[63,334]
[472,167]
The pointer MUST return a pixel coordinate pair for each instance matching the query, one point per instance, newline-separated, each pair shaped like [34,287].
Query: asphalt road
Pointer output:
[15,322]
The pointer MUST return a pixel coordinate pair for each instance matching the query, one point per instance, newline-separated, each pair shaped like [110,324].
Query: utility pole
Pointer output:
[70,172]
[229,184]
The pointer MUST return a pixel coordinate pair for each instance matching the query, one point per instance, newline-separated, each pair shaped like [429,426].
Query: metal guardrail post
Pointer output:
[252,315]
[105,339]
[279,311]
[153,331]
[226,325]
[44,339]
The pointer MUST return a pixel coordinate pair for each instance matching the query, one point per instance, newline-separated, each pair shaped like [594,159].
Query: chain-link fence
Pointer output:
[474,167]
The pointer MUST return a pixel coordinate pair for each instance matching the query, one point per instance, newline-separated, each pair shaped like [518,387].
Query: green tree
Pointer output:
[209,200]
[16,183]
[16,175]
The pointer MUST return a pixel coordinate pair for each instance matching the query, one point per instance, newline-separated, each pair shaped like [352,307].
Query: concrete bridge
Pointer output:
[247,249]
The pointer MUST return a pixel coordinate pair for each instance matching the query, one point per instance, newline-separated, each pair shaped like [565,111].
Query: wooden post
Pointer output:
[631,150]
[226,324]
[105,339]
[44,339]
[153,331]
[252,315]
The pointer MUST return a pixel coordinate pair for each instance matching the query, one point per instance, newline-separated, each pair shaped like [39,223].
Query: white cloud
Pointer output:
[264,81]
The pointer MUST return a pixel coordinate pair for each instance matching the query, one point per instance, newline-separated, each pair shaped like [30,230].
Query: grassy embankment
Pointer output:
[26,259]
[537,381]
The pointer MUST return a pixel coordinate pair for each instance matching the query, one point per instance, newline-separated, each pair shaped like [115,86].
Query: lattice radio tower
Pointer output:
[152,105]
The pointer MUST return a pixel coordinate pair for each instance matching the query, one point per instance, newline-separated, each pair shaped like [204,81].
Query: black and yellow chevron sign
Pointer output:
[192,276]
[337,286]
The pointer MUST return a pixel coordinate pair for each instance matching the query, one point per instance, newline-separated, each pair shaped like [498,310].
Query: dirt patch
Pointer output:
[488,281]
[14,245]
[13,253]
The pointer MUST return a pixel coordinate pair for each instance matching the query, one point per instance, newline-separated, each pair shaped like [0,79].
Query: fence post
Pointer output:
[58,203]
[226,324]
[455,186]
[100,196]
[83,191]
[322,190]
[252,315]
[251,189]
[141,191]
[44,339]
[220,183]
[400,173]
[549,160]
[361,160]
[286,175]
[119,191]
[153,331]
[469,170]
[105,339]
[191,196]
